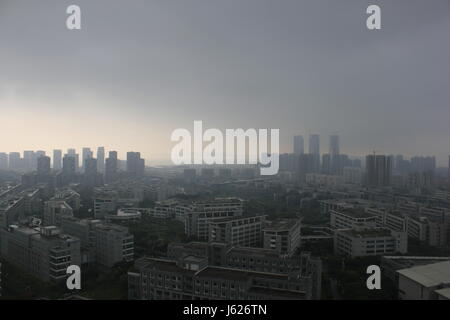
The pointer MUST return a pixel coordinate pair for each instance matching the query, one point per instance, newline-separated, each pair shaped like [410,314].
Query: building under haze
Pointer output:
[314,151]
[111,166]
[57,160]
[299,145]
[101,159]
[135,165]
[378,170]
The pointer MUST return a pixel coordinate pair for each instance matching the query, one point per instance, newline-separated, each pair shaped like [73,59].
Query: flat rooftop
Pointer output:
[357,213]
[280,225]
[286,294]
[367,233]
[236,274]
[429,275]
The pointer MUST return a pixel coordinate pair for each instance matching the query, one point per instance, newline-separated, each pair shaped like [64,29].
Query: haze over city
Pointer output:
[133,74]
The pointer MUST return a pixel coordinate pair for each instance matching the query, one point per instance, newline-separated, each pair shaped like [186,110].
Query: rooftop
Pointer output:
[367,233]
[236,274]
[280,225]
[429,275]
[444,292]
[357,213]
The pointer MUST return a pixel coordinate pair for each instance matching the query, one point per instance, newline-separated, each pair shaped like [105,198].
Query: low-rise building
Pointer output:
[283,236]
[44,253]
[161,279]
[243,231]
[426,282]
[350,217]
[363,241]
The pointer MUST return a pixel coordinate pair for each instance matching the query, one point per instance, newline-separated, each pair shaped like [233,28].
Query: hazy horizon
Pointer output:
[139,70]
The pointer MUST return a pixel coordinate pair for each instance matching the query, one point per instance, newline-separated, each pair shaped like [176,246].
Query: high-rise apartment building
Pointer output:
[111,166]
[57,160]
[299,145]
[3,161]
[43,166]
[314,151]
[101,159]
[135,165]
[15,162]
[378,170]
[44,254]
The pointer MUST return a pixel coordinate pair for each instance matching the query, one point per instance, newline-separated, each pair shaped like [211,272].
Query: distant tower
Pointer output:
[69,165]
[57,160]
[74,154]
[135,165]
[43,166]
[378,170]
[86,153]
[314,144]
[314,150]
[101,159]
[334,154]
[90,172]
[334,145]
[449,168]
[111,166]
[299,145]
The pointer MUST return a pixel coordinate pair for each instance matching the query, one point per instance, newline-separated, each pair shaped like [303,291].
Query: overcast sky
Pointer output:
[140,69]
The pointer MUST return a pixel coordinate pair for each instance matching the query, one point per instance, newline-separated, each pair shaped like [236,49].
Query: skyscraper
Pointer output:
[334,154]
[314,144]
[57,160]
[101,159]
[43,166]
[28,160]
[111,167]
[135,165]
[15,162]
[3,161]
[334,145]
[449,168]
[69,166]
[314,150]
[378,170]
[74,154]
[85,154]
[90,172]
[299,145]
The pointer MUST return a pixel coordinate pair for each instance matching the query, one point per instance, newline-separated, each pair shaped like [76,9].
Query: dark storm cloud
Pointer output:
[301,66]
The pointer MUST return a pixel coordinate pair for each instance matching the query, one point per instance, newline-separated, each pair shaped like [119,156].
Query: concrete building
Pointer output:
[11,209]
[193,279]
[105,244]
[426,282]
[351,217]
[353,175]
[282,236]
[378,170]
[111,167]
[199,214]
[299,145]
[135,165]
[113,244]
[3,161]
[105,202]
[44,253]
[243,231]
[57,160]
[363,241]
[54,211]
[69,196]
[101,159]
